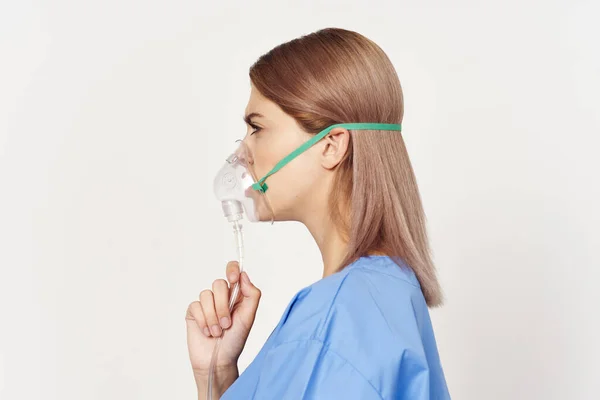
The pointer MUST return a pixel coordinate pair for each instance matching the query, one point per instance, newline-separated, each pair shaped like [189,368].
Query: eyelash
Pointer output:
[255,127]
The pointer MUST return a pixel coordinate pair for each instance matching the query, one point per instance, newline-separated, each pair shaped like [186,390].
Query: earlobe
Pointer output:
[336,146]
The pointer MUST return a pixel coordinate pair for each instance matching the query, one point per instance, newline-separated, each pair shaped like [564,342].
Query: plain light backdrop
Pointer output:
[115,116]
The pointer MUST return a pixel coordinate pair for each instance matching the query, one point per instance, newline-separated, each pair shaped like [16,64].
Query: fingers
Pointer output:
[233,276]
[194,313]
[215,307]
[208,309]
[221,297]
[212,313]
[232,272]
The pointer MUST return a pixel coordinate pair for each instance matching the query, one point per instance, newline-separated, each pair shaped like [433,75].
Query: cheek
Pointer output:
[264,161]
[294,181]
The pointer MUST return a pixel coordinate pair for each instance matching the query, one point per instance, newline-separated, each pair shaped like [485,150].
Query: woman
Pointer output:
[362,331]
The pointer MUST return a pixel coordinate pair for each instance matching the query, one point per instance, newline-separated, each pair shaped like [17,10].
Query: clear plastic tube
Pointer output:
[239,241]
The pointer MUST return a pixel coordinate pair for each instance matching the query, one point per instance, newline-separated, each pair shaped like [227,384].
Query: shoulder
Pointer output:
[367,300]
[376,279]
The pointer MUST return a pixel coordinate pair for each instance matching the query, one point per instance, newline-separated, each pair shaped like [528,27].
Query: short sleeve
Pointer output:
[307,369]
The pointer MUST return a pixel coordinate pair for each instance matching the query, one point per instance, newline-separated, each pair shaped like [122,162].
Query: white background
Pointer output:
[115,116]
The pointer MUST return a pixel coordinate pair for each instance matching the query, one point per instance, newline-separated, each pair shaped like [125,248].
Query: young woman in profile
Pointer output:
[363,331]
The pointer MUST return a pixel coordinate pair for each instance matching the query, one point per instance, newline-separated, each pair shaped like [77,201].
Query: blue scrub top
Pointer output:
[361,333]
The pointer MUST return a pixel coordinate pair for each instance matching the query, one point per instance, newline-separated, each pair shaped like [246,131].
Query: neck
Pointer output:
[331,243]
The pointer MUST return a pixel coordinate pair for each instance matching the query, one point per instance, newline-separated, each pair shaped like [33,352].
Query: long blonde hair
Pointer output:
[335,76]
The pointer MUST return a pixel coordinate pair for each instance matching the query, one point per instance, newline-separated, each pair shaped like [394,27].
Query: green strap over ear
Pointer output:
[262,187]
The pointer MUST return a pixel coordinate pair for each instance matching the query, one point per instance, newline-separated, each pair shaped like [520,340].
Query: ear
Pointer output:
[336,146]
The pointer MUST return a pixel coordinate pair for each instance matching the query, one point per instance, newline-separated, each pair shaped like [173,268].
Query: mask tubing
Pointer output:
[239,241]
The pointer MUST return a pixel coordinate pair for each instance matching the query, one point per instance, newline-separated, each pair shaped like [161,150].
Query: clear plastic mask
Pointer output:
[233,187]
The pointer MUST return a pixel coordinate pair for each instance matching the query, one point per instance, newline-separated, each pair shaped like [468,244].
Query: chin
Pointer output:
[268,216]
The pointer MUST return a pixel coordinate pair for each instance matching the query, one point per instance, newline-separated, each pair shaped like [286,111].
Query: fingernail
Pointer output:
[216,331]
[206,331]
[245,277]
[225,322]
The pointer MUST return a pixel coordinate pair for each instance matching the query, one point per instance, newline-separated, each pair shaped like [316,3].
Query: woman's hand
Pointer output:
[208,317]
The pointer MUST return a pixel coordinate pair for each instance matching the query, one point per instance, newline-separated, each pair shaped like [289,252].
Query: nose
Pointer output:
[244,152]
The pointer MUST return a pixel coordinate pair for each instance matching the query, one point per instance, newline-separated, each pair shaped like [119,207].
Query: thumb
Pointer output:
[250,292]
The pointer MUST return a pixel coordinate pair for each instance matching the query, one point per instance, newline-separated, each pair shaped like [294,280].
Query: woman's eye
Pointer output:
[256,129]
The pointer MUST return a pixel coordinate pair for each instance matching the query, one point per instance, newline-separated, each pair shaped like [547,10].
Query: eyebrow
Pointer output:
[248,118]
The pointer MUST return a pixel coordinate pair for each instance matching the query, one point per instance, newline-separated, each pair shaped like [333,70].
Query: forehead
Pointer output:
[257,103]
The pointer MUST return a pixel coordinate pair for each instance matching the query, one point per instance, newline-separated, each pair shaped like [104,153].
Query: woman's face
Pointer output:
[271,135]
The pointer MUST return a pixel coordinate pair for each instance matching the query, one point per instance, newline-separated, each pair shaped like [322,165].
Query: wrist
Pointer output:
[224,377]
[223,369]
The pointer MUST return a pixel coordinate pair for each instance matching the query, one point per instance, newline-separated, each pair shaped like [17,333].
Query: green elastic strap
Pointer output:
[262,187]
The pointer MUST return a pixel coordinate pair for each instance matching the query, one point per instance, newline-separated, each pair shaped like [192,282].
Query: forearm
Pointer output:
[224,377]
